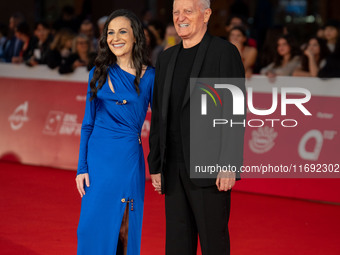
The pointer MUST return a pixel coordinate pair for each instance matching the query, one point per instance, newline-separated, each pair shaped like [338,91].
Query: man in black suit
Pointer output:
[193,206]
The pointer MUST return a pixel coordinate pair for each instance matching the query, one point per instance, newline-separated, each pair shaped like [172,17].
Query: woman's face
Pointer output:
[82,45]
[68,43]
[283,47]
[237,37]
[234,22]
[313,46]
[120,38]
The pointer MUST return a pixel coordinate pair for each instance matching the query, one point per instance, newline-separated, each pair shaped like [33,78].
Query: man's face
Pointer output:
[41,33]
[12,23]
[331,33]
[189,18]
[87,29]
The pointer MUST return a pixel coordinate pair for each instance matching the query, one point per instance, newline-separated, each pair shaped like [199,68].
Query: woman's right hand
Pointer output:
[80,179]
[308,53]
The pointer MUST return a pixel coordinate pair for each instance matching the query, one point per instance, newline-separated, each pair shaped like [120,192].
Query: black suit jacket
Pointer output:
[215,58]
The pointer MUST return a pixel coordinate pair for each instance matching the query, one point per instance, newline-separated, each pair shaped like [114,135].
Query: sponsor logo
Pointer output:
[323,115]
[53,122]
[81,98]
[61,123]
[262,139]
[318,137]
[19,116]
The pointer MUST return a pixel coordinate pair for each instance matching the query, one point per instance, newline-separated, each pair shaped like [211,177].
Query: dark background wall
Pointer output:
[49,9]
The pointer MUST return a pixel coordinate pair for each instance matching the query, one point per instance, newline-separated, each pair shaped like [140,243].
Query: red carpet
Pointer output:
[39,209]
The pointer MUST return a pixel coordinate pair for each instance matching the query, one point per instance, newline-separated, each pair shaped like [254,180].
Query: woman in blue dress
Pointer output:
[111,171]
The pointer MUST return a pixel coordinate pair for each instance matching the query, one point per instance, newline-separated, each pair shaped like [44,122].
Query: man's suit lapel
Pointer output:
[168,82]
[198,62]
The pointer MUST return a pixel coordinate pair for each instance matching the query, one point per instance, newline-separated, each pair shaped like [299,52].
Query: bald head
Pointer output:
[204,4]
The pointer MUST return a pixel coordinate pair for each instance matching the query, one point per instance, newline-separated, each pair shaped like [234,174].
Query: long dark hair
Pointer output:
[324,52]
[294,49]
[269,48]
[105,57]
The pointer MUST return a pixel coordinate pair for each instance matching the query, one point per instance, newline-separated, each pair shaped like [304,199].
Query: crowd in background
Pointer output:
[70,43]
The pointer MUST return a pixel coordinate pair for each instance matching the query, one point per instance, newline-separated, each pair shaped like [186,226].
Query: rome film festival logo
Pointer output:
[239,109]
[19,116]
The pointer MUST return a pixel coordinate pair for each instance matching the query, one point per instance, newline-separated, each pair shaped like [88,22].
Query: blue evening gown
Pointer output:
[111,152]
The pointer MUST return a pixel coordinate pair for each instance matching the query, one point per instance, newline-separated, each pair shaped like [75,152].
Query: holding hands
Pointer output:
[224,182]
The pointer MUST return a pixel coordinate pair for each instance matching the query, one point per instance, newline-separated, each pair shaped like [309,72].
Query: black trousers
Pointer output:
[193,211]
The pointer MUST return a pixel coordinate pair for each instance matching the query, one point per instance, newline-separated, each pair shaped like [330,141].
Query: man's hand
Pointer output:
[225,181]
[156,182]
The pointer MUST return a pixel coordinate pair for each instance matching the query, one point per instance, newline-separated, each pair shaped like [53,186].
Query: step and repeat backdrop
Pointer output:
[287,152]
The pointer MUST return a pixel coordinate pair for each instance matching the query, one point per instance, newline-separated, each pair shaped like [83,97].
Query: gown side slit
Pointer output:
[123,233]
